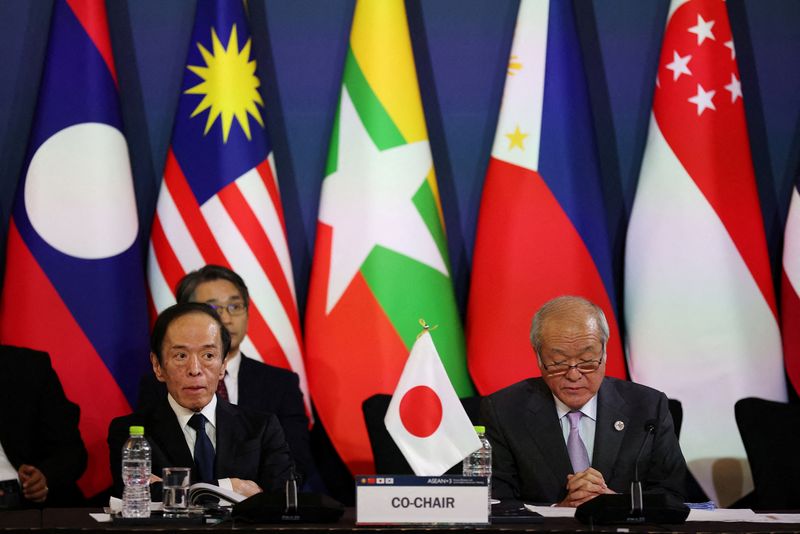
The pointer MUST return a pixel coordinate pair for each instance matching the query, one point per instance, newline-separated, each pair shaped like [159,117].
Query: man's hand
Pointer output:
[584,486]
[245,487]
[34,483]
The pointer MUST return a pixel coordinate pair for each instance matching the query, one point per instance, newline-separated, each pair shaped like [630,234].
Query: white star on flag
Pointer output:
[729,44]
[368,202]
[702,30]
[735,88]
[679,65]
[703,100]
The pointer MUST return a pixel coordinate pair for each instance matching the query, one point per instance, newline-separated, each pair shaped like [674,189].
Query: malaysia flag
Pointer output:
[790,290]
[219,201]
[542,225]
[74,281]
[699,301]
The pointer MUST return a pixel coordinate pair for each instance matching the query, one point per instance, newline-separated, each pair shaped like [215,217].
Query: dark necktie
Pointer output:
[203,449]
[222,389]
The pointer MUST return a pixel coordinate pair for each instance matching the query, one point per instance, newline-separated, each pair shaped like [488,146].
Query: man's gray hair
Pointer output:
[557,305]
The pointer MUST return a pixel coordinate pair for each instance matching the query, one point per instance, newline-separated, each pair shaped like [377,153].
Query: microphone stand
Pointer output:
[637,501]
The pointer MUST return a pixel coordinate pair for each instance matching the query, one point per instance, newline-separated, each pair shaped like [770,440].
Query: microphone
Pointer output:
[618,508]
[636,485]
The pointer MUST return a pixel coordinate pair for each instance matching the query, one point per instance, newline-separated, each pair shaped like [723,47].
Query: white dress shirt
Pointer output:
[7,471]
[232,364]
[210,413]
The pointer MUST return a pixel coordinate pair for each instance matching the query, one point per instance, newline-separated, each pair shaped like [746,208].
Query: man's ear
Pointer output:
[157,370]
[222,369]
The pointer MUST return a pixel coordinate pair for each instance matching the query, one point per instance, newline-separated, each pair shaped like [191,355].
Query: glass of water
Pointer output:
[176,481]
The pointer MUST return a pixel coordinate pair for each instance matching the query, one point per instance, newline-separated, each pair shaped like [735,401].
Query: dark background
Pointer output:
[461,49]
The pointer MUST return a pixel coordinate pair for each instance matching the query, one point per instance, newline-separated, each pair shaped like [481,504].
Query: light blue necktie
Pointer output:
[575,446]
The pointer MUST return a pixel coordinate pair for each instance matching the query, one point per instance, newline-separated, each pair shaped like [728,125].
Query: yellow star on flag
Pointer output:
[516,138]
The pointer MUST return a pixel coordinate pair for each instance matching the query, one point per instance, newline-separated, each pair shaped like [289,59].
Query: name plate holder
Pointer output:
[412,500]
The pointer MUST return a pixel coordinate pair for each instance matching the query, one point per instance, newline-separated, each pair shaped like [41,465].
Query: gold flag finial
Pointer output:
[426,327]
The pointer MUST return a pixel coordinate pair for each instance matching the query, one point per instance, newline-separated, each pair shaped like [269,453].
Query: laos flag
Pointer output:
[74,276]
[542,225]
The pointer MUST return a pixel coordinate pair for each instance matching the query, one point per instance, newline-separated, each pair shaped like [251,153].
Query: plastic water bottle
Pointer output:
[136,467]
[479,463]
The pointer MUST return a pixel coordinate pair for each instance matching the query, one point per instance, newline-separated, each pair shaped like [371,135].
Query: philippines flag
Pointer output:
[219,201]
[699,301]
[74,281]
[790,290]
[542,227]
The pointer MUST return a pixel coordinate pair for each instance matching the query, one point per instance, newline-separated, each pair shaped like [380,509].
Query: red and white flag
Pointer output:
[425,417]
[790,291]
[699,301]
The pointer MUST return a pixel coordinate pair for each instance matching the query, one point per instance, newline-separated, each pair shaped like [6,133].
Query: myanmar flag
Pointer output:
[380,262]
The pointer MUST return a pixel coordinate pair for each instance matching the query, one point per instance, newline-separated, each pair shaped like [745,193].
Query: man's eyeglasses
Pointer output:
[234,308]
[584,367]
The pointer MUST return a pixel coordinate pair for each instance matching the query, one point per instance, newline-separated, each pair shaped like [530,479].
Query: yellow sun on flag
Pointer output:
[229,86]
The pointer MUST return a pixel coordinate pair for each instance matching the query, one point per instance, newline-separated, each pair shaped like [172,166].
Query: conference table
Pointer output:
[78,520]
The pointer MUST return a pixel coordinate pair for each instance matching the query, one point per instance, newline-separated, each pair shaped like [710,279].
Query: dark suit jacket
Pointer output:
[38,425]
[263,388]
[529,456]
[250,445]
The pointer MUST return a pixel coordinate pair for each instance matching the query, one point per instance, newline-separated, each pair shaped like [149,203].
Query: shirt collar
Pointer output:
[184,414]
[589,409]
[232,364]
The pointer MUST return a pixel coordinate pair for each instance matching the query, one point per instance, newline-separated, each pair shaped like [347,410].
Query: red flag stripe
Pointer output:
[167,261]
[268,177]
[245,220]
[265,341]
[92,16]
[186,203]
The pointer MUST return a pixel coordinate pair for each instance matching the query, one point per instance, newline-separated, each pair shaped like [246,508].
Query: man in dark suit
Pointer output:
[190,426]
[40,444]
[574,434]
[249,383]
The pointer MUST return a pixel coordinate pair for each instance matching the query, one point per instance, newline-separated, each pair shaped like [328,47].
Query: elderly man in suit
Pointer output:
[574,433]
[190,426]
[247,382]
[41,451]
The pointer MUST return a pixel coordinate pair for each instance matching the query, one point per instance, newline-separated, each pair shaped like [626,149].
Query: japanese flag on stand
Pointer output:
[425,417]
[699,301]
[790,290]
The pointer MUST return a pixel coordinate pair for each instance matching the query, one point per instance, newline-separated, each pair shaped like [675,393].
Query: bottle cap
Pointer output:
[137,431]
[480,429]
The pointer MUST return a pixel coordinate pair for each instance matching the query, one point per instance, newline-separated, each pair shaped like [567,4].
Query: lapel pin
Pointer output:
[619,425]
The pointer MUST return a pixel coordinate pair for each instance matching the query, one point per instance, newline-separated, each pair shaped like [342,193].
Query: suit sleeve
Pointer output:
[667,467]
[150,391]
[504,469]
[276,461]
[64,457]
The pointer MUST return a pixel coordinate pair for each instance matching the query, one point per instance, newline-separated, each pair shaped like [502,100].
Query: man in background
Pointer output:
[574,433]
[42,455]
[248,383]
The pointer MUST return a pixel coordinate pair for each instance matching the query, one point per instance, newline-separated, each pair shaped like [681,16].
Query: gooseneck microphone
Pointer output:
[636,485]
[610,508]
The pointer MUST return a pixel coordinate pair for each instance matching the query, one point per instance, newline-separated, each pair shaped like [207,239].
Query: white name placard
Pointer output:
[403,499]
